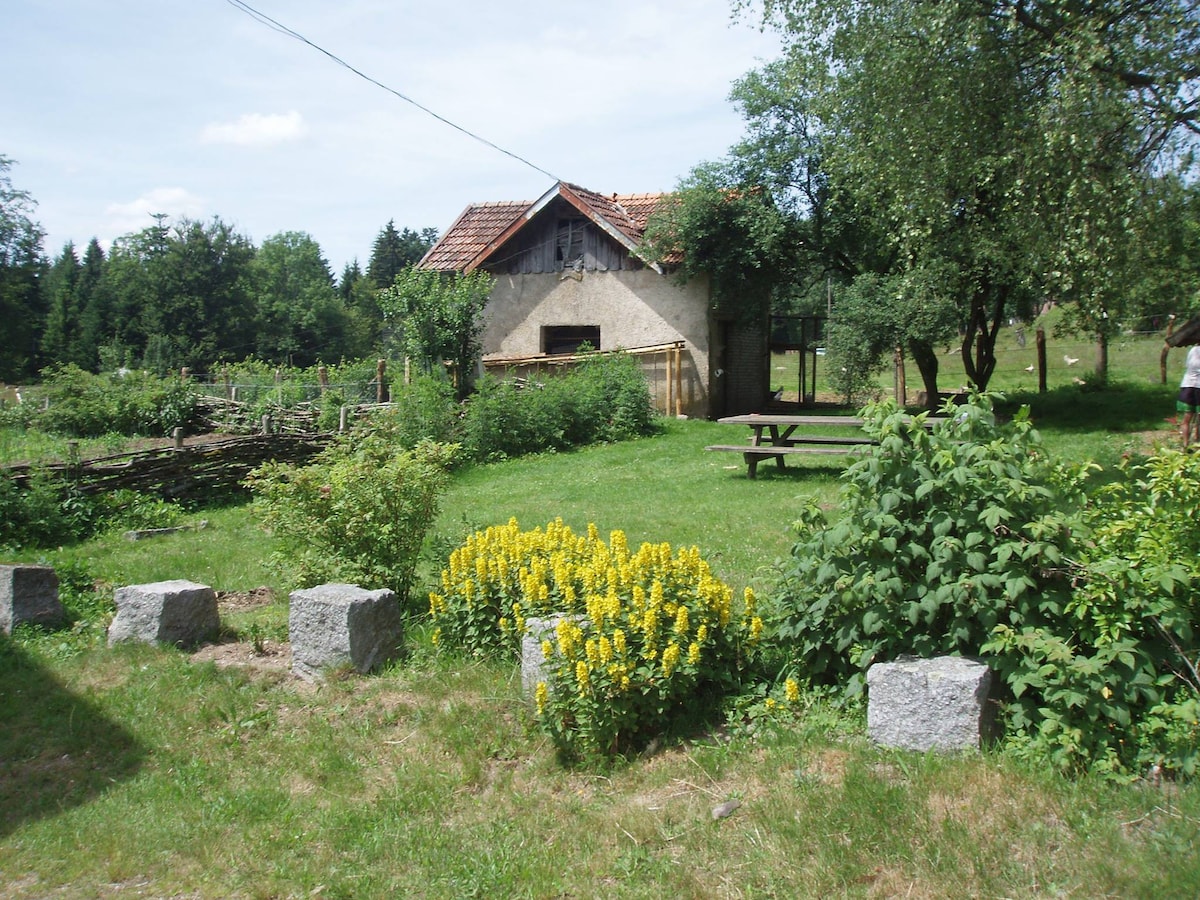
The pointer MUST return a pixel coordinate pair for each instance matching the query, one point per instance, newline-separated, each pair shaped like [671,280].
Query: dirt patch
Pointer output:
[272,659]
[239,601]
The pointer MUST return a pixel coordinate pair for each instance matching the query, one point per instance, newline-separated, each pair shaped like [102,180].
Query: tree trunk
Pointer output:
[927,364]
[1102,356]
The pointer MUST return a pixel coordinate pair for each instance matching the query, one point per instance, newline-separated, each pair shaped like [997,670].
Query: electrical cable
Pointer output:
[264,19]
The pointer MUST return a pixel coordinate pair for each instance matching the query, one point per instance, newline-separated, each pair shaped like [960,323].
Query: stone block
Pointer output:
[533,663]
[336,625]
[182,613]
[929,704]
[29,594]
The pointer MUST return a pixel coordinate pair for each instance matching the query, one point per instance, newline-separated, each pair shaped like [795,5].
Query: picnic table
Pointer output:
[777,436]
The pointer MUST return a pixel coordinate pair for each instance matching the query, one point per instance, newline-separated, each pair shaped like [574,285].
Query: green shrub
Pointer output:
[357,514]
[508,419]
[86,405]
[612,399]
[1116,686]
[424,410]
[605,399]
[649,643]
[45,512]
[971,541]
[942,535]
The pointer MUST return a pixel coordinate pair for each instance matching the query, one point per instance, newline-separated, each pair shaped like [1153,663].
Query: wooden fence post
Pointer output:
[228,383]
[901,383]
[279,386]
[323,378]
[177,437]
[343,416]
[380,390]
[1041,359]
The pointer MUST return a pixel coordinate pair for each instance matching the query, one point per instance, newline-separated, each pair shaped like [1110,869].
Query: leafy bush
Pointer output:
[1117,685]
[970,540]
[508,419]
[86,405]
[424,410]
[943,535]
[358,513]
[613,401]
[605,399]
[45,512]
[646,636]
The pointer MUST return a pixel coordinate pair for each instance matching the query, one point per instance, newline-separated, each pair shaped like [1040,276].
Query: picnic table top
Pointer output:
[777,419]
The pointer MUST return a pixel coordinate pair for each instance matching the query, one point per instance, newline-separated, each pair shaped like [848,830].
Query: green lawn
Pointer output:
[148,772]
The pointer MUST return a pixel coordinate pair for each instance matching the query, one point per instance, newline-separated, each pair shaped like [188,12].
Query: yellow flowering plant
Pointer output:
[650,638]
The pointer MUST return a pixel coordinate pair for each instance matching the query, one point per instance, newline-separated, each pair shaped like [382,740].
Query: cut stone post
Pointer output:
[929,704]
[182,613]
[333,625]
[29,594]
[533,662]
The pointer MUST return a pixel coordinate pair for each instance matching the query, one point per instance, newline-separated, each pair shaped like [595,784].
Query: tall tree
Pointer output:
[394,250]
[440,318]
[21,267]
[60,289]
[93,307]
[301,317]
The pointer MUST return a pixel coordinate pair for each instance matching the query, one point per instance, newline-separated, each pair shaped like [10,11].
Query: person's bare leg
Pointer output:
[1185,429]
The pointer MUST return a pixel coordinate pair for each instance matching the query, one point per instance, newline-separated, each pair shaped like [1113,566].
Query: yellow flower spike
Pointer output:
[547,649]
[670,659]
[582,676]
[592,650]
[504,624]
[791,690]
[748,599]
[681,620]
[436,636]
[541,695]
[756,627]
[693,656]
[701,634]
[639,598]
[606,649]
[618,640]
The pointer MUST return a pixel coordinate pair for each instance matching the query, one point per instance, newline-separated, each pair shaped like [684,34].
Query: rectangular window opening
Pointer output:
[560,339]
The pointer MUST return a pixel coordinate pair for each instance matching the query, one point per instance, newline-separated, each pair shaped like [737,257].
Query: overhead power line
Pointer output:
[264,19]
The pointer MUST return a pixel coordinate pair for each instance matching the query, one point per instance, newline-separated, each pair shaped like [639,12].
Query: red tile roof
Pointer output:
[483,227]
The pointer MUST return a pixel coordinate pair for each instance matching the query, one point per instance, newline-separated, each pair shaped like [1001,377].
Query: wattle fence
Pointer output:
[180,471]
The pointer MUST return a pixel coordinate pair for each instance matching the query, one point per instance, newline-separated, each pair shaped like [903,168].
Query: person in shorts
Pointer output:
[1189,394]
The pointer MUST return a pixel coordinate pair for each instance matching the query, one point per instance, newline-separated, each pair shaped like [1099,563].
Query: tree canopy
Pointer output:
[971,156]
[184,293]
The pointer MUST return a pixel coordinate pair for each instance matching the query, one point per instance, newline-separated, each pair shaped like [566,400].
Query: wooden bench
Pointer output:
[831,446]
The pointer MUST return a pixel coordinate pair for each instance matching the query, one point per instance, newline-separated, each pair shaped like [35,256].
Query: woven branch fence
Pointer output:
[191,470]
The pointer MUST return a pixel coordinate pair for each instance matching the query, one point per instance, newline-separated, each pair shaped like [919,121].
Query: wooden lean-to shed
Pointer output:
[568,273]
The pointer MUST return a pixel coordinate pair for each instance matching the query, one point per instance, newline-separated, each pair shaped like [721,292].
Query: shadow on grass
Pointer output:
[57,749]
[1121,407]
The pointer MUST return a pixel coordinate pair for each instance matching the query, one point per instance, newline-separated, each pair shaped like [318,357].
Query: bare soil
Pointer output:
[270,658]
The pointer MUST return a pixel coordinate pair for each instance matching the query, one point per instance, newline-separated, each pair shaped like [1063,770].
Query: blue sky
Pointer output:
[113,111]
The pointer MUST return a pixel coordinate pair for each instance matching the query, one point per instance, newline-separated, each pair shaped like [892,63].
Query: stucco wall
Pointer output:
[632,308]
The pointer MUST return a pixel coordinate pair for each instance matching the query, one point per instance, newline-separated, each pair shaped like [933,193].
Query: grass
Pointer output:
[148,772]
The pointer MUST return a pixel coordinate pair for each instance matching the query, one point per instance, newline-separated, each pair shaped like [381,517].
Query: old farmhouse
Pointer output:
[568,273]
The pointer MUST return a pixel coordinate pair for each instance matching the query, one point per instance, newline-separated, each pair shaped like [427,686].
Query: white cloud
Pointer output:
[256,129]
[175,202]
